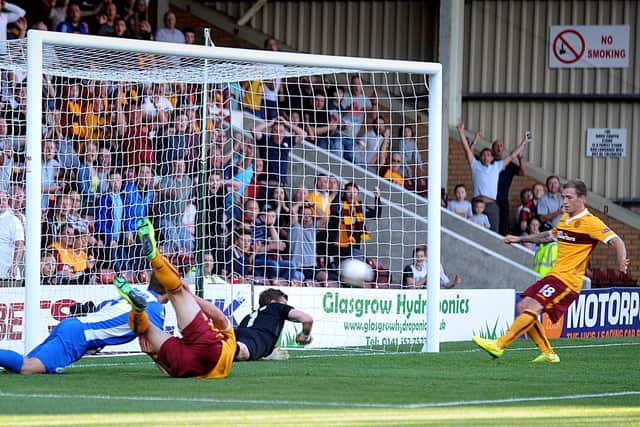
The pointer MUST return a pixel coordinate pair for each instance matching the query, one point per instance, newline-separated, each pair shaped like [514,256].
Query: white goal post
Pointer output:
[123,59]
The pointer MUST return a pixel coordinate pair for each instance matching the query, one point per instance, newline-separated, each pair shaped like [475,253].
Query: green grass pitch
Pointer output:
[596,383]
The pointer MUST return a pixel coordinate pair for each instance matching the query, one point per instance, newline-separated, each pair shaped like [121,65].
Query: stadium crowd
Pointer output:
[116,152]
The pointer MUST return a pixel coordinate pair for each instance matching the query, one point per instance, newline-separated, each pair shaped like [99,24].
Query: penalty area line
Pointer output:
[289,403]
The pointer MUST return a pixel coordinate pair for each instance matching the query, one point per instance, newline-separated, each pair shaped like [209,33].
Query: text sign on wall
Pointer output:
[605,142]
[589,46]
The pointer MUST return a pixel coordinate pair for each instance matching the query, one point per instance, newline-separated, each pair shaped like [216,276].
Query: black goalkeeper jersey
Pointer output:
[260,330]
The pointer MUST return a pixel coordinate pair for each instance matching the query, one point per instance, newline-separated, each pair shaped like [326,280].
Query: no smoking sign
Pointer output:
[568,46]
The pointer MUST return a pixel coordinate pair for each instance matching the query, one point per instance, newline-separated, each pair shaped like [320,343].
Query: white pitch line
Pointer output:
[358,354]
[289,403]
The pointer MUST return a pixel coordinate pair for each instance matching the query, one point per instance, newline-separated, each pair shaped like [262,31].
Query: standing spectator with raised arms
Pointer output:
[485,174]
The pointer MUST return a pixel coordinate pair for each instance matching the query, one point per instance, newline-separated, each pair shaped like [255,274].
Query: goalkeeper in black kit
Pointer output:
[258,332]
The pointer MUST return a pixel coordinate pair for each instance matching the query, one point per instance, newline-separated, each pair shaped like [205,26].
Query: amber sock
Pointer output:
[520,325]
[166,273]
[138,321]
[536,332]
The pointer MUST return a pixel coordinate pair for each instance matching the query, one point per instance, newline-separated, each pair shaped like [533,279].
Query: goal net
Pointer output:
[256,168]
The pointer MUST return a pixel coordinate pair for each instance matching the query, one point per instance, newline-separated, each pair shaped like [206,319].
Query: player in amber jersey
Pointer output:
[208,344]
[577,233]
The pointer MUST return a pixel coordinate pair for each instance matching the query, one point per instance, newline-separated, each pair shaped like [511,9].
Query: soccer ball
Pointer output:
[355,272]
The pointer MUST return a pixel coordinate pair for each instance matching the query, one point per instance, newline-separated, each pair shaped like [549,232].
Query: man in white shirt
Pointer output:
[169,33]
[11,240]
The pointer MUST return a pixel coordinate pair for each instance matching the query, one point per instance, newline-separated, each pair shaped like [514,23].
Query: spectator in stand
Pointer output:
[174,143]
[55,218]
[412,164]
[252,100]
[479,217]
[257,188]
[109,213]
[444,198]
[317,123]
[302,241]
[550,204]
[154,101]
[104,169]
[347,229]
[526,195]
[66,152]
[206,271]
[138,25]
[214,221]
[282,208]
[268,248]
[17,202]
[173,192]
[48,271]
[393,172]
[9,13]
[414,275]
[239,258]
[169,33]
[278,145]
[120,28]
[50,170]
[238,183]
[513,168]
[88,178]
[460,205]
[373,147]
[136,148]
[107,19]
[485,174]
[98,117]
[11,240]
[6,164]
[138,195]
[74,109]
[189,35]
[73,263]
[73,23]
[533,227]
[354,105]
[333,105]
[74,217]
[530,209]
[321,198]
[271,88]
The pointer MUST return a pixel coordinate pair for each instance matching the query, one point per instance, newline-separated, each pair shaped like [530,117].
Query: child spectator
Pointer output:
[460,206]
[530,209]
[415,275]
[48,273]
[479,217]
[526,195]
[393,172]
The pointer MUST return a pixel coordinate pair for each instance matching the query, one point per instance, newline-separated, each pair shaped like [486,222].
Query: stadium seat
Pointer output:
[599,278]
[615,277]
[105,276]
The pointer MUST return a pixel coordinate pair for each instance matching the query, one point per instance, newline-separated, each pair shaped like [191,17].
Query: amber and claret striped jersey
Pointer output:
[577,237]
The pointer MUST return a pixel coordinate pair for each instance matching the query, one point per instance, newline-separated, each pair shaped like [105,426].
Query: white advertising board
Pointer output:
[343,317]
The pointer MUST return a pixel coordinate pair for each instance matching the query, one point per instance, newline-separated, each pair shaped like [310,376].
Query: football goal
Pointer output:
[257,169]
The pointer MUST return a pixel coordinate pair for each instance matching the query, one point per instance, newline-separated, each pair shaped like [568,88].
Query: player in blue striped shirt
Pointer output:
[74,336]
